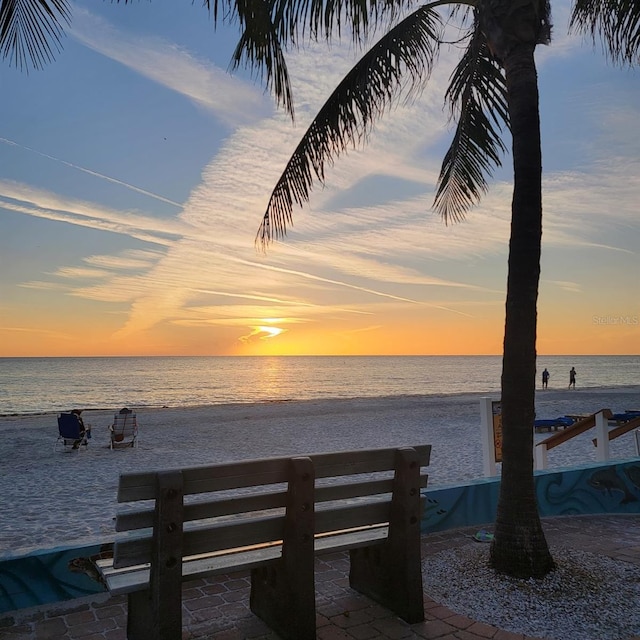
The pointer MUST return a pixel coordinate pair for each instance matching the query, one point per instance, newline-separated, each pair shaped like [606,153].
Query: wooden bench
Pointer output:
[271,516]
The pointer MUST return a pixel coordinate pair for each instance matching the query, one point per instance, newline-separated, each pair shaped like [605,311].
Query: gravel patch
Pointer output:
[588,596]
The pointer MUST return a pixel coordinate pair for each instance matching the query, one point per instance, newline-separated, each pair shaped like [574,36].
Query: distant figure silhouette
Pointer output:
[572,378]
[545,379]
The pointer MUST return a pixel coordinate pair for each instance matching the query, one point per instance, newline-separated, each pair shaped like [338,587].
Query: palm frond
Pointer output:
[478,98]
[409,49]
[30,30]
[616,23]
[260,48]
[268,26]
[323,18]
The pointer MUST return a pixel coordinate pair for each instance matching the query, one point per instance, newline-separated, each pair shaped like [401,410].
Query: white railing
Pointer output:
[599,420]
[491,428]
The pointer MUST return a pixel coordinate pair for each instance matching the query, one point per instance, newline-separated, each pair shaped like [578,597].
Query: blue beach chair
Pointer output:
[547,424]
[621,418]
[71,431]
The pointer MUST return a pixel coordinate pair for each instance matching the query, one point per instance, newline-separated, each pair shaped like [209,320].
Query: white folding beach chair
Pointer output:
[124,430]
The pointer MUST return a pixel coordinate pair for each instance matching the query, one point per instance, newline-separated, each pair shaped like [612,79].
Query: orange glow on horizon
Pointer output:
[435,335]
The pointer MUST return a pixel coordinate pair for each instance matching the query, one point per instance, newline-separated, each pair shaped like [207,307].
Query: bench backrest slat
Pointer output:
[344,501]
[259,501]
[249,473]
[217,537]
[345,463]
[363,488]
[352,516]
[254,531]
[236,475]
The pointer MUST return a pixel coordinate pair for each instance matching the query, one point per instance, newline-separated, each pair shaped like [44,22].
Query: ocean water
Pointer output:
[36,385]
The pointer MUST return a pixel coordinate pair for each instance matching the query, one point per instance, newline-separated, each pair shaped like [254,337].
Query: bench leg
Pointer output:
[391,573]
[283,592]
[143,623]
[156,613]
[383,575]
[139,615]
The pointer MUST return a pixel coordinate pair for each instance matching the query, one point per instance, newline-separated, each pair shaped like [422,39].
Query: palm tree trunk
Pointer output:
[519,547]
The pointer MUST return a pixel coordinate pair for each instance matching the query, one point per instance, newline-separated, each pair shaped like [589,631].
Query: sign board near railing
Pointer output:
[491,434]
[496,414]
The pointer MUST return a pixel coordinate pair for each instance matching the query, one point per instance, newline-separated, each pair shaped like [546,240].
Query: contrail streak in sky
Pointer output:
[92,173]
[375,292]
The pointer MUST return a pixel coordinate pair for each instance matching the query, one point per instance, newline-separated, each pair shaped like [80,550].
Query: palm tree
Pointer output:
[494,88]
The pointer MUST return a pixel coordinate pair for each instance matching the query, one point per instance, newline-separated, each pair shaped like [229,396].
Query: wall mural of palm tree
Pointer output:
[493,89]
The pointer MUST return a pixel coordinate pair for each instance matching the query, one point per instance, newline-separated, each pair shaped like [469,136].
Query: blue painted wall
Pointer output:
[589,489]
[44,577]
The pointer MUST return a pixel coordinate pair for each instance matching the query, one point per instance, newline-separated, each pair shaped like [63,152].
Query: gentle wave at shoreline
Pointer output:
[611,390]
[30,386]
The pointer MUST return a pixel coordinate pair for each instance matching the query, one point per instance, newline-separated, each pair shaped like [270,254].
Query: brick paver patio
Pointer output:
[218,608]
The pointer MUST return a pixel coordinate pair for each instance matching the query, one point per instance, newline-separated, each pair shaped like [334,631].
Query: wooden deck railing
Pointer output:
[599,420]
[621,429]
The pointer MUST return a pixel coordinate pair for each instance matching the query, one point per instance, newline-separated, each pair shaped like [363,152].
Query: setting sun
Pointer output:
[271,332]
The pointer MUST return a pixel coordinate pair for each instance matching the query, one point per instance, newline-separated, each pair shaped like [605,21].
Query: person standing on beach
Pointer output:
[572,378]
[545,379]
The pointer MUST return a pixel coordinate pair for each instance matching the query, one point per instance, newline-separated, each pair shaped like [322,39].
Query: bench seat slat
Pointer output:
[130,579]
[136,578]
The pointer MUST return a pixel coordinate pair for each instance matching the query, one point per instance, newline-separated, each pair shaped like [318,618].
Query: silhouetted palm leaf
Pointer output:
[615,22]
[326,18]
[410,48]
[260,48]
[30,28]
[478,98]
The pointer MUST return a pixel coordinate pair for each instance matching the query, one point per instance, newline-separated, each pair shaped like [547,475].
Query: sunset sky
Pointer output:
[134,172]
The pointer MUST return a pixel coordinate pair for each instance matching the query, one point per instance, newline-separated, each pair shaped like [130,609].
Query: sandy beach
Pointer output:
[69,497]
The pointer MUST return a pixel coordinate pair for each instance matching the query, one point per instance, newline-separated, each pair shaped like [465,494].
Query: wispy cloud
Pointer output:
[229,98]
[355,260]
[36,331]
[41,203]
[572,287]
